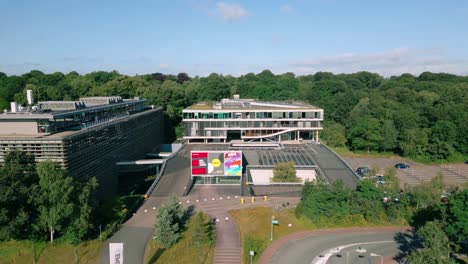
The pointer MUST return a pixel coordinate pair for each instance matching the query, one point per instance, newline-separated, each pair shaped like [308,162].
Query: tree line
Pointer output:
[422,117]
[41,201]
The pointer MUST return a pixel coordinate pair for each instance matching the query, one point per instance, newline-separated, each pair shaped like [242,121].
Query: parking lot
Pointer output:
[455,174]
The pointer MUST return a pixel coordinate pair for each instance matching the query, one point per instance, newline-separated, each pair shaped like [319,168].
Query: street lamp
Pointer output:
[100,236]
[273,222]
[377,255]
[271,233]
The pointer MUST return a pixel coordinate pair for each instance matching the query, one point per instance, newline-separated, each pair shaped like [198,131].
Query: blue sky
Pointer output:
[234,37]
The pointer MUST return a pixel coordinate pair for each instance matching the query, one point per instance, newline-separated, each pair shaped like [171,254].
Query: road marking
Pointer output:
[331,251]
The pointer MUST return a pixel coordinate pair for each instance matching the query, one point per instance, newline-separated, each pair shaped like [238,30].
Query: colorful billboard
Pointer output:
[216,163]
[233,163]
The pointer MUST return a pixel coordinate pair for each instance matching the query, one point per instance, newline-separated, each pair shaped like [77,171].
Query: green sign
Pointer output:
[275,222]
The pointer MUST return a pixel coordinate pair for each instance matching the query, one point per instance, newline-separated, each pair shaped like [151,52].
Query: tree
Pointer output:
[435,248]
[56,201]
[414,142]
[182,77]
[457,220]
[389,136]
[285,172]
[203,235]
[169,223]
[85,200]
[365,133]
[18,190]
[334,134]
[167,230]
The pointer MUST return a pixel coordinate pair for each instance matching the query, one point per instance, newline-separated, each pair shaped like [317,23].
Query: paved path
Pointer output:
[135,233]
[302,247]
[138,230]
[228,242]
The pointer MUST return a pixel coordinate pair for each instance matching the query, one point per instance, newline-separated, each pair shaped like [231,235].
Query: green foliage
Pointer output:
[435,248]
[170,222]
[37,201]
[457,219]
[285,172]
[203,234]
[256,245]
[18,190]
[334,134]
[56,190]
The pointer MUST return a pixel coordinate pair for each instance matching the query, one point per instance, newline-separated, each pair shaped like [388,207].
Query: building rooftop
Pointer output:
[59,109]
[250,104]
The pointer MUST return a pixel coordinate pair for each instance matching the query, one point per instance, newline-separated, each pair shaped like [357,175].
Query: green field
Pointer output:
[44,252]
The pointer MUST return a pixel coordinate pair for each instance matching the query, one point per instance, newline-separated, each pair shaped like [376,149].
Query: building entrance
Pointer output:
[209,180]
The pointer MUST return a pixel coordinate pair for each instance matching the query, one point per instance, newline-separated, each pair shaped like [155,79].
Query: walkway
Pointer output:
[138,230]
[228,241]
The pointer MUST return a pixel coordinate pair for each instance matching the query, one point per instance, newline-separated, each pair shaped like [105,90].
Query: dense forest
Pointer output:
[423,117]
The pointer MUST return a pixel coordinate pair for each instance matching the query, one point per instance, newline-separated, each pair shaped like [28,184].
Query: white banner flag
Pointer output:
[116,253]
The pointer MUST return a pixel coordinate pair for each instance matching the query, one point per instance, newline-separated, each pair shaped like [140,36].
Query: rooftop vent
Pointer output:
[14,107]
[29,96]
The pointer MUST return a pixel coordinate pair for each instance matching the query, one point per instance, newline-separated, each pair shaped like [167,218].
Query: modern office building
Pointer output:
[87,137]
[251,120]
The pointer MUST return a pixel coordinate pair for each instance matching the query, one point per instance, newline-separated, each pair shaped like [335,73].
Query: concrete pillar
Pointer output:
[317,137]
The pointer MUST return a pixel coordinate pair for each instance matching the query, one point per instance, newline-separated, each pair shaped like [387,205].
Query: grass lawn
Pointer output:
[345,152]
[23,252]
[182,252]
[255,227]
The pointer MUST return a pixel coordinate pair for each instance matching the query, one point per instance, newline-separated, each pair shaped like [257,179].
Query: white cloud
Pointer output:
[387,63]
[229,12]
[163,66]
[286,9]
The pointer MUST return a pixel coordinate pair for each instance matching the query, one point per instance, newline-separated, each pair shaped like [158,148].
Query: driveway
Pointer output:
[347,245]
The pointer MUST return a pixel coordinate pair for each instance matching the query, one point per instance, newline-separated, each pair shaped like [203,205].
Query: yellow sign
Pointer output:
[216,163]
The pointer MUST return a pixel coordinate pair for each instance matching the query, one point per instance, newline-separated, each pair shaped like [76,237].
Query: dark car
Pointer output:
[402,166]
[362,171]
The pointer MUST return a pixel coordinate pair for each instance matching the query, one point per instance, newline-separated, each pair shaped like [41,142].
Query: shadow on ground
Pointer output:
[156,255]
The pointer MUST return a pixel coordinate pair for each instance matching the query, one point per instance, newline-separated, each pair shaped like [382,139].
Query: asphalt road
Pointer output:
[135,233]
[304,250]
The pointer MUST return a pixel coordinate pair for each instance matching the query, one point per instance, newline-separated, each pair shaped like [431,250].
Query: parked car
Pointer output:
[362,171]
[402,166]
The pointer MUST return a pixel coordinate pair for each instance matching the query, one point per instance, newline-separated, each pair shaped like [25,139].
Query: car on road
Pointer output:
[402,166]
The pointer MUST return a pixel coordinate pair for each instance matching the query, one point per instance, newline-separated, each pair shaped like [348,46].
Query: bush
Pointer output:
[285,172]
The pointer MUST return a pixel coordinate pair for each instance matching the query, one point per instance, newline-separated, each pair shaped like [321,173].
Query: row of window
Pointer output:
[251,115]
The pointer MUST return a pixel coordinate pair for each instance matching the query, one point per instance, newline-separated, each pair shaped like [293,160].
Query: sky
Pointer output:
[389,37]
